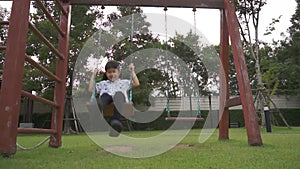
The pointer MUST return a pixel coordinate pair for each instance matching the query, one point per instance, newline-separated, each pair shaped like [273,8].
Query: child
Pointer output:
[113,89]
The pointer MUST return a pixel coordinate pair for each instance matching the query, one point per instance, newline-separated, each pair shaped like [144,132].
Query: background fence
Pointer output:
[186,104]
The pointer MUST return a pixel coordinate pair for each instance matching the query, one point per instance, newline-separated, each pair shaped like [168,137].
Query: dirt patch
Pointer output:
[123,149]
[181,146]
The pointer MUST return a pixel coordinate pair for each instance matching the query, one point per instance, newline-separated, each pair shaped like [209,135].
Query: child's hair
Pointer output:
[110,65]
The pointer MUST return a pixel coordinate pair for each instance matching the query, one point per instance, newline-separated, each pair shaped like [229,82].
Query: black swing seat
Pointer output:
[127,110]
[184,118]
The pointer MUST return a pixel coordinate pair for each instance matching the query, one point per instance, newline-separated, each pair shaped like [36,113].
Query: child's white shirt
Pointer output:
[111,87]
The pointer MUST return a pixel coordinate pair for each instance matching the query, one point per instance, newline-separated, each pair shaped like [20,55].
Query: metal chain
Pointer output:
[195,27]
[131,39]
[166,53]
[34,147]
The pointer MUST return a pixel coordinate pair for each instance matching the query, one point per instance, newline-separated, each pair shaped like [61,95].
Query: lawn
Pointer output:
[281,149]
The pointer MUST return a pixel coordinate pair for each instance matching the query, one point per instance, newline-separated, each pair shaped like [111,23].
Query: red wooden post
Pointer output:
[224,79]
[60,87]
[250,116]
[12,76]
[13,66]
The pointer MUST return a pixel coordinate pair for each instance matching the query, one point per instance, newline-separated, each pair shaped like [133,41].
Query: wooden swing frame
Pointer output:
[15,56]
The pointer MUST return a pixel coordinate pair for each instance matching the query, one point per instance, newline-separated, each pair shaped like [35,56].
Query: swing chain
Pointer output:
[195,26]
[34,147]
[198,114]
[131,44]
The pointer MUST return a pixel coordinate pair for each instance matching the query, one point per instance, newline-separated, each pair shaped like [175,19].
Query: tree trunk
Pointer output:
[68,115]
[260,87]
[68,110]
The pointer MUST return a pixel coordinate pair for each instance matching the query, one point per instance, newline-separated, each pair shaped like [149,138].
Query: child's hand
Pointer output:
[96,71]
[131,67]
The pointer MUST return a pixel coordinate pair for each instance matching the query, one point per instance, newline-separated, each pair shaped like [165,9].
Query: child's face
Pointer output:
[112,74]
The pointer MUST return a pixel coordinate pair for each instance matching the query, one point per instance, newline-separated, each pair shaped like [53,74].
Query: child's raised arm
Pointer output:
[135,80]
[92,80]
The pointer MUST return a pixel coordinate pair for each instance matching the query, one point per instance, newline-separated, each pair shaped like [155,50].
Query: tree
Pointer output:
[287,58]
[249,15]
[4,16]
[187,48]
[129,47]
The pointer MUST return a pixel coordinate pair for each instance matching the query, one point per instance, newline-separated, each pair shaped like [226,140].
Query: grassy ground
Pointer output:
[281,150]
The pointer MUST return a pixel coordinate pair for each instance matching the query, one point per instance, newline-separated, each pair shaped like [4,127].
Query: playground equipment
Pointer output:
[11,89]
[127,108]
[169,117]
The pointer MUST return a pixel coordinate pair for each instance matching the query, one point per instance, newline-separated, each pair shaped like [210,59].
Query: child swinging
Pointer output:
[112,89]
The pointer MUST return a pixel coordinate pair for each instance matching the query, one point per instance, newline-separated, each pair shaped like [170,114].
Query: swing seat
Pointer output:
[93,107]
[109,110]
[127,108]
[184,118]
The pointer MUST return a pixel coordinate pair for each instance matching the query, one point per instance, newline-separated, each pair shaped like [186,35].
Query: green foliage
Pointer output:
[82,26]
[287,56]
[187,48]
[276,67]
[184,46]
[4,16]
[292,116]
[150,80]
[248,13]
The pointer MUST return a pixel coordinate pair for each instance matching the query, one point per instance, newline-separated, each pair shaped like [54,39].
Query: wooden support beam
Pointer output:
[60,6]
[2,47]
[251,123]
[46,41]
[4,22]
[224,79]
[10,96]
[49,16]
[213,4]
[236,101]
[39,99]
[60,87]
[36,131]
[42,68]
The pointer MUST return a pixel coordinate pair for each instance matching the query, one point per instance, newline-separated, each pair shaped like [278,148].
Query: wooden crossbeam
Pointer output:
[213,4]
[236,101]
[36,131]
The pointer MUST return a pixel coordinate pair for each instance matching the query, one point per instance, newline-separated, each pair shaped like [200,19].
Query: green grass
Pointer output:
[281,149]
